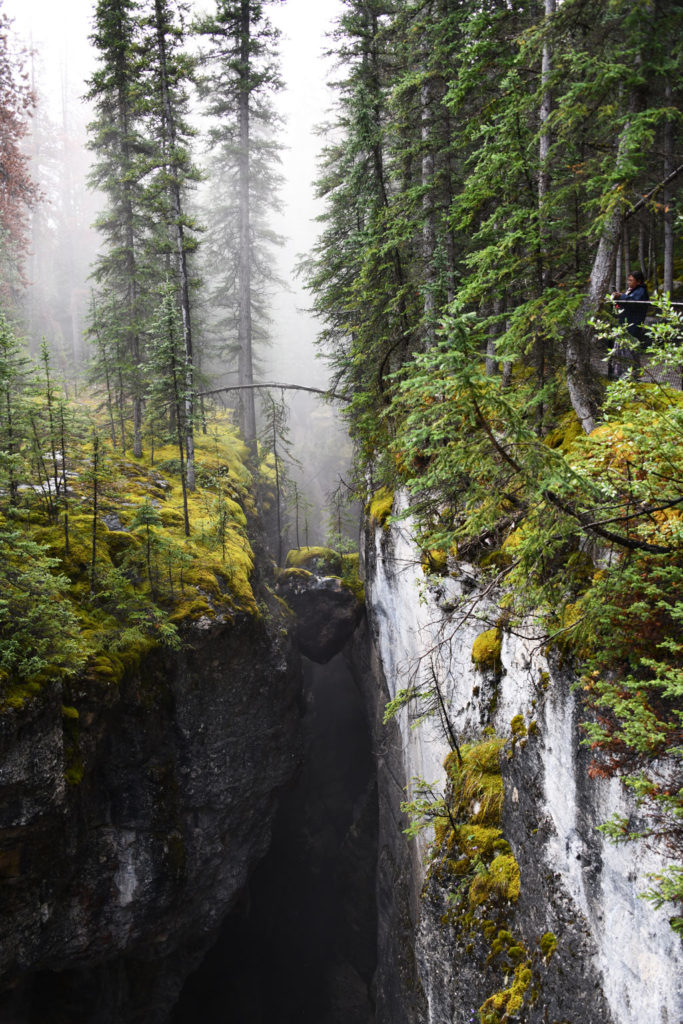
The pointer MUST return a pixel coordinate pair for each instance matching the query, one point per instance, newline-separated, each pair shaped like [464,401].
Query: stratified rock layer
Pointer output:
[112,885]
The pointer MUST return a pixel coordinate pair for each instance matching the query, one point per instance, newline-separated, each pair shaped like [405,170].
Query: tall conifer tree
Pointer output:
[117,142]
[241,76]
[168,70]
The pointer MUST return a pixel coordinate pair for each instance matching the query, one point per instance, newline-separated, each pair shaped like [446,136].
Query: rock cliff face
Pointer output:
[616,959]
[128,832]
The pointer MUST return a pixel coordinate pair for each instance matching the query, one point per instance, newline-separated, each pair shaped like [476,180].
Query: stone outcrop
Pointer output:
[593,949]
[327,612]
[128,826]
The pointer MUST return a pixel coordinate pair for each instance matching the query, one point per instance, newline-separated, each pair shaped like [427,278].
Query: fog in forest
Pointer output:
[56,301]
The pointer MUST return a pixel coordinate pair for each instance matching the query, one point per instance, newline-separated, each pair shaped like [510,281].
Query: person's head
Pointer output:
[635,278]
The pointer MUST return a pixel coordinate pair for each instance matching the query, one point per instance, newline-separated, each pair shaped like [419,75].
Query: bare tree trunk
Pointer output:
[131,269]
[177,416]
[617,266]
[642,260]
[278,497]
[120,404]
[626,249]
[95,484]
[667,197]
[580,377]
[543,190]
[245,359]
[546,107]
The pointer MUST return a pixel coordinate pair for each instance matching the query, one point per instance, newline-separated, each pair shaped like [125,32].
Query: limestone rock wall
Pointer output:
[617,960]
[126,834]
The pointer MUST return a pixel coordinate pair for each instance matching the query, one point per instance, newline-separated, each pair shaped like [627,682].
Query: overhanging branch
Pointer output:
[646,198]
[631,543]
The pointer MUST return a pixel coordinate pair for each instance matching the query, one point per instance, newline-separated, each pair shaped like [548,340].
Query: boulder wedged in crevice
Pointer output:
[327,612]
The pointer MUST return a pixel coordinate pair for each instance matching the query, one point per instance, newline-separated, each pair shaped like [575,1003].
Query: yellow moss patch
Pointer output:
[350,577]
[316,559]
[120,544]
[478,840]
[16,696]
[476,782]
[503,1005]
[435,562]
[486,649]
[107,666]
[500,882]
[192,610]
[295,574]
[379,507]
[566,432]
[518,727]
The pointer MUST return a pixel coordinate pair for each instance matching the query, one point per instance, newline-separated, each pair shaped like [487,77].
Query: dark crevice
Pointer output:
[301,946]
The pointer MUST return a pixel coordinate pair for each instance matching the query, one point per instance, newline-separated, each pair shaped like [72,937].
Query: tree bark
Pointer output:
[546,107]
[667,197]
[580,376]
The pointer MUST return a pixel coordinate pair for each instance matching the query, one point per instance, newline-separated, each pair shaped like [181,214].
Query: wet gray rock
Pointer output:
[113,884]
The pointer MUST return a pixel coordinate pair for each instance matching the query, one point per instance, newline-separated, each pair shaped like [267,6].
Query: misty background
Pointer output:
[64,244]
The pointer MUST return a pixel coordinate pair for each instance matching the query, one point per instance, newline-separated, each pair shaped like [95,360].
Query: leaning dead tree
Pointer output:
[276,386]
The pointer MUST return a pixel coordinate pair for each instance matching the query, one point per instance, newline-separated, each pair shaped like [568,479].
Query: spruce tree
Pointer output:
[116,139]
[167,73]
[358,271]
[169,381]
[15,377]
[241,75]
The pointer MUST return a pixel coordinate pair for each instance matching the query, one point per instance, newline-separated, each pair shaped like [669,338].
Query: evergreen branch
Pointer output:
[491,436]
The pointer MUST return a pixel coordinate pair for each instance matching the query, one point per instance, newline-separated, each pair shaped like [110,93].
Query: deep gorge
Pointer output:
[301,946]
[246,862]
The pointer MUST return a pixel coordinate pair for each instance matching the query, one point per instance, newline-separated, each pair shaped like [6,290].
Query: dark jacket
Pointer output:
[633,304]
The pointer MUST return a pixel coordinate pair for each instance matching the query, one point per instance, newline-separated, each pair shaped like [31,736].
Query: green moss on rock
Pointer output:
[501,882]
[503,1005]
[319,560]
[379,507]
[19,694]
[435,562]
[548,945]
[486,650]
